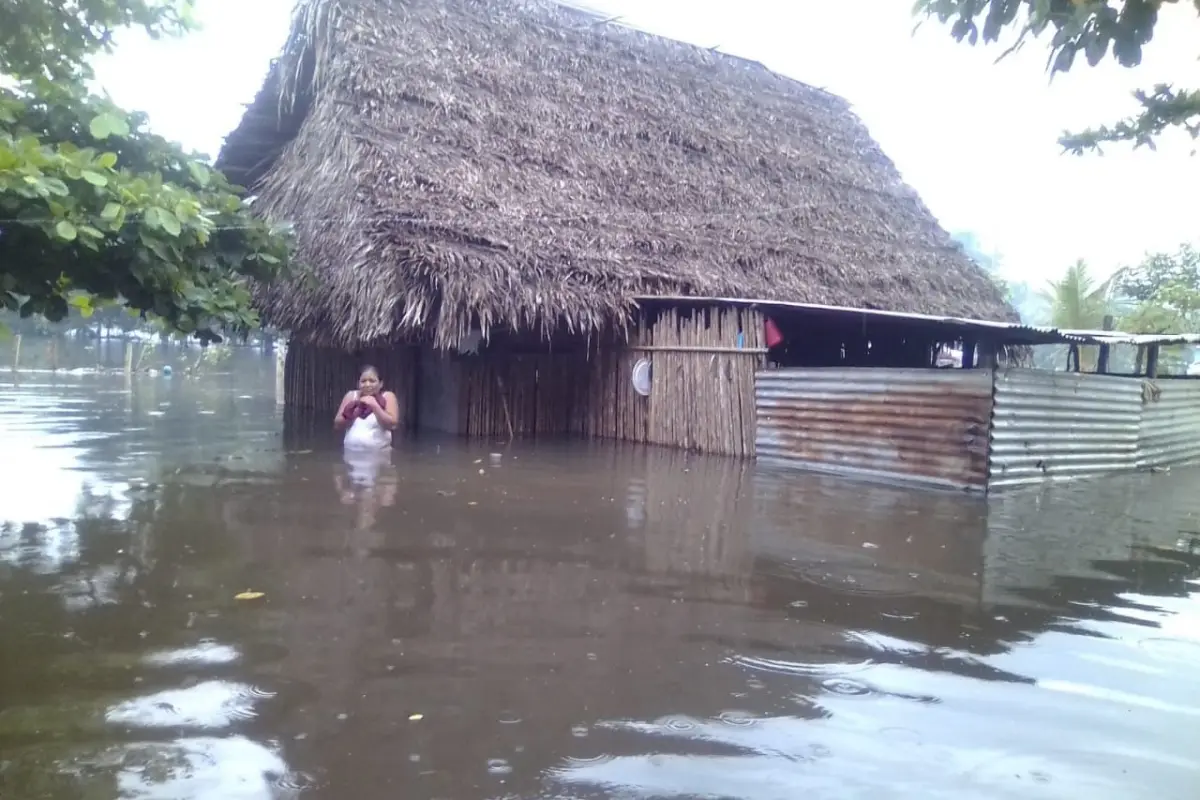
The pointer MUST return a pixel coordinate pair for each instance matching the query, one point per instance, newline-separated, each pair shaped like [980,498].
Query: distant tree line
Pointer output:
[1159,294]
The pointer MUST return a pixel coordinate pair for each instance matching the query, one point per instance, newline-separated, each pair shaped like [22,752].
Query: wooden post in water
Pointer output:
[280,359]
[1102,360]
[988,355]
[968,353]
[1152,361]
[16,353]
[128,359]
[54,354]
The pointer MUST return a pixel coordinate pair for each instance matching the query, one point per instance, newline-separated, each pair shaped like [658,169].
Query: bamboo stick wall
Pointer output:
[521,395]
[701,397]
[702,386]
[316,377]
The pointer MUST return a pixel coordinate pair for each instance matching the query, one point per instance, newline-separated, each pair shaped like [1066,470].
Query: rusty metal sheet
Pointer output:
[1170,430]
[919,426]
[1062,425]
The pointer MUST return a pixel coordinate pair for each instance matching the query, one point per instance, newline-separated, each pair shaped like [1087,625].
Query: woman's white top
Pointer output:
[366,433]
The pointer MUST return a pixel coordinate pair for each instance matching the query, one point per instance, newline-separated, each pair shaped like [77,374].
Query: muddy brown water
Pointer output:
[477,620]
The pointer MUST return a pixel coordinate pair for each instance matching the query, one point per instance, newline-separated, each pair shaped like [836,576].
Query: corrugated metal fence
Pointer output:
[1062,425]
[1058,425]
[973,429]
[926,427]
[1170,428]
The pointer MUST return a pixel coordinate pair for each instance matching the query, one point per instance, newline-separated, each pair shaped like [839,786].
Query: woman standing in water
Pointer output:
[368,415]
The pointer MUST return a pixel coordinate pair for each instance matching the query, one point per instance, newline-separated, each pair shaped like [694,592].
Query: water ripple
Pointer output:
[580,761]
[499,766]
[676,722]
[1176,650]
[845,686]
[782,667]
[738,718]
[211,704]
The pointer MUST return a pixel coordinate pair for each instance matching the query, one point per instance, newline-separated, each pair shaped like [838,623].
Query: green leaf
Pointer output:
[170,223]
[56,187]
[65,230]
[107,124]
[94,178]
[111,211]
[158,248]
[200,173]
[99,127]
[107,160]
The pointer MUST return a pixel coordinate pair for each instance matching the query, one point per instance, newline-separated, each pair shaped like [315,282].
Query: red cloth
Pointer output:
[357,409]
[771,333]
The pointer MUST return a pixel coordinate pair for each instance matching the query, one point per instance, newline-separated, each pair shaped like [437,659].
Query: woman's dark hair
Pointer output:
[365,368]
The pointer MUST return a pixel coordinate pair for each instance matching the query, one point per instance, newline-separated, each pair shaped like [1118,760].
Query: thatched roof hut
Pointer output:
[451,163]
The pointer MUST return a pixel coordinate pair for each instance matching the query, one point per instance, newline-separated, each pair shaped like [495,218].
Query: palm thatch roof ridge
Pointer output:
[518,163]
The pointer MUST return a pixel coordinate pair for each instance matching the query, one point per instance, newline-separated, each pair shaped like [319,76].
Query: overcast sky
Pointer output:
[977,139]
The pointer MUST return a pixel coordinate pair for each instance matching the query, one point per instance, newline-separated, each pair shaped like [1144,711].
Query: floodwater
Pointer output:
[475,620]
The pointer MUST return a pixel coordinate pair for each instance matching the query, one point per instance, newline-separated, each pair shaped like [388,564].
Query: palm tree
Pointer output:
[1077,302]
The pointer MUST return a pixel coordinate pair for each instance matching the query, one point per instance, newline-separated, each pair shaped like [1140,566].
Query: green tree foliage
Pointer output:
[1091,29]
[96,209]
[1077,301]
[1162,293]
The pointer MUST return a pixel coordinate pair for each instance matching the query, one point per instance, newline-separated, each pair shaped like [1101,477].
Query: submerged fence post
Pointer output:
[968,353]
[16,353]
[128,358]
[1152,361]
[1102,360]
[280,358]
[988,358]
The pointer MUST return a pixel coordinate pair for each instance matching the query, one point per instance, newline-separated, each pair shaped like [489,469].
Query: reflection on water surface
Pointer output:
[473,620]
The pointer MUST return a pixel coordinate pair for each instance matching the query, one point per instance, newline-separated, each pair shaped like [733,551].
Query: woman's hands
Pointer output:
[339,419]
[384,406]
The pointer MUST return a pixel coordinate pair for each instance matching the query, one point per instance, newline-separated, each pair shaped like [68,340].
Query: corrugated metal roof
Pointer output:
[1117,337]
[1005,333]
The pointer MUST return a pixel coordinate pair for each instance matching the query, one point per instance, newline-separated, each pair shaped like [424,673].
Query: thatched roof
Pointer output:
[450,163]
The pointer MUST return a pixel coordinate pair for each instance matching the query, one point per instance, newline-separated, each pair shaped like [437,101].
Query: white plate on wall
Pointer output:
[642,375]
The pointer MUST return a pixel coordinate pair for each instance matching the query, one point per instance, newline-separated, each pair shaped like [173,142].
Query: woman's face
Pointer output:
[368,383]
